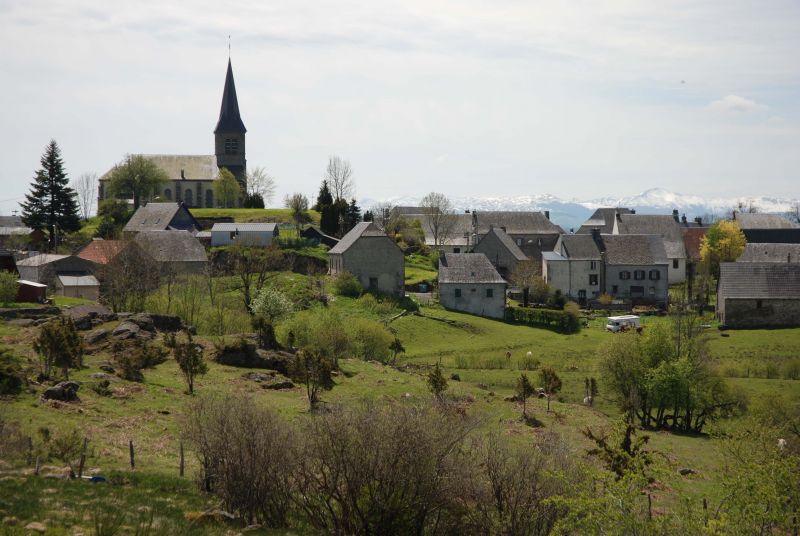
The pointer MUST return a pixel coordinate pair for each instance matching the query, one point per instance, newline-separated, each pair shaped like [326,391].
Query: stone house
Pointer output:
[603,219]
[161,217]
[759,294]
[531,231]
[78,285]
[245,234]
[575,267]
[501,251]
[177,252]
[666,227]
[372,257]
[44,268]
[469,283]
[635,267]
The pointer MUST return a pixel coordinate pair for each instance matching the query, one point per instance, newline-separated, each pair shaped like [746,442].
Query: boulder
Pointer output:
[106,367]
[83,322]
[100,376]
[95,336]
[455,377]
[63,392]
[35,526]
[245,354]
[167,322]
[143,320]
[129,330]
[21,322]
[278,384]
[685,471]
[259,377]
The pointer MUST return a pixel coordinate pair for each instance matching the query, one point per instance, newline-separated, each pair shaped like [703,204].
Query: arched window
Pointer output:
[168,194]
[188,198]
[209,199]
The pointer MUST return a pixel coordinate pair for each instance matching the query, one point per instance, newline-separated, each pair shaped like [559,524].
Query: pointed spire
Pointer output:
[229,118]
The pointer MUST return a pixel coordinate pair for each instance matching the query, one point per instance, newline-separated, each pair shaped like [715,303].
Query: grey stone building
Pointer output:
[770,253]
[603,219]
[371,256]
[468,282]
[668,228]
[45,268]
[501,251]
[635,267]
[575,267]
[759,294]
[161,217]
[245,234]
[177,252]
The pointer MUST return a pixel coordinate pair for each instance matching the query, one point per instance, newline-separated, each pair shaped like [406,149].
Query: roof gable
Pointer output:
[363,229]
[172,246]
[500,237]
[580,247]
[467,268]
[603,219]
[759,280]
[156,217]
[101,251]
[514,222]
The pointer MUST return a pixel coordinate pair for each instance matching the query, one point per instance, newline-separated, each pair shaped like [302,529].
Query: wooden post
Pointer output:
[36,469]
[181,468]
[705,512]
[649,506]
[130,448]
[83,457]
[29,457]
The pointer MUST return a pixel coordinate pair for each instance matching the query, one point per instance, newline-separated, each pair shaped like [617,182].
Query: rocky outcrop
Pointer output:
[63,392]
[29,312]
[245,354]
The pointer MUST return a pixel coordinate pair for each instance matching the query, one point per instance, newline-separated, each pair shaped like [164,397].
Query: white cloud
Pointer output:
[735,103]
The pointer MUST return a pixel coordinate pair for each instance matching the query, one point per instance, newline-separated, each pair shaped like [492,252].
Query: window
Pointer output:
[519,241]
[759,304]
[624,275]
[637,291]
[456,250]
[592,279]
[638,275]
[373,283]
[457,293]
[593,265]
[676,263]
[655,275]
[652,291]
[490,293]
[614,289]
[188,197]
[209,198]
[231,146]
[168,194]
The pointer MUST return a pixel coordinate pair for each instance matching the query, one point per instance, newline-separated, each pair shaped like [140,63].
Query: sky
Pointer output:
[579,99]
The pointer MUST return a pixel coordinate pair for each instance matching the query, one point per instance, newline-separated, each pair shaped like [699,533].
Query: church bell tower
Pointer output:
[229,135]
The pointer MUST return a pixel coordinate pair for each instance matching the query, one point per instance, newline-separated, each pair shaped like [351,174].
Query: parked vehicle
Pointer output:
[623,323]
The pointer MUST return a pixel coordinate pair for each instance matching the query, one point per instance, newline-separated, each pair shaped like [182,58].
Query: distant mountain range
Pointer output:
[570,214]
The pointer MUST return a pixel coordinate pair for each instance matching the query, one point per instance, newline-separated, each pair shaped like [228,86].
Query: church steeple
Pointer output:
[229,119]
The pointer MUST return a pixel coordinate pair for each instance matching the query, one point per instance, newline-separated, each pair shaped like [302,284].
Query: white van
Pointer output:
[623,323]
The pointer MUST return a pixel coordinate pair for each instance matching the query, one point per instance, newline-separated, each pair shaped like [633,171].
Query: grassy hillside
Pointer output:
[244,215]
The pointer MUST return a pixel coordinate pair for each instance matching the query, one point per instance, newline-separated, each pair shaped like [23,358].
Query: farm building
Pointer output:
[245,234]
[371,256]
[468,282]
[31,292]
[314,233]
[161,217]
[175,251]
[44,268]
[78,285]
[759,294]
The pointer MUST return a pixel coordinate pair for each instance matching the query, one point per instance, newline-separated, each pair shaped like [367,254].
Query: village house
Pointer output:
[372,257]
[78,285]
[100,251]
[770,253]
[635,267]
[14,233]
[244,234]
[767,228]
[667,228]
[315,234]
[759,294]
[575,267]
[603,219]
[177,252]
[501,251]
[161,217]
[469,283]
[531,231]
[44,268]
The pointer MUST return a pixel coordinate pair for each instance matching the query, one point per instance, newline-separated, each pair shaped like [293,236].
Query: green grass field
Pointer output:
[244,215]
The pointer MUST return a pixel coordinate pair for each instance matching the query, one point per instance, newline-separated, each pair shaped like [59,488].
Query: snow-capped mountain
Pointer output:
[572,213]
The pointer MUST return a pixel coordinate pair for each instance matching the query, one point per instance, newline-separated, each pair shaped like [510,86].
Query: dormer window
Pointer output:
[231,146]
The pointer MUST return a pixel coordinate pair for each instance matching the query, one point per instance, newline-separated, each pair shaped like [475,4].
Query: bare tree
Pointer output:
[382,214]
[339,175]
[262,183]
[440,218]
[86,187]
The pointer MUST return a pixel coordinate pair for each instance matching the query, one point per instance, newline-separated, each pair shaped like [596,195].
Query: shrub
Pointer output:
[102,387]
[8,287]
[605,299]
[528,363]
[572,308]
[189,356]
[346,284]
[547,318]
[11,377]
[131,358]
[371,341]
[59,345]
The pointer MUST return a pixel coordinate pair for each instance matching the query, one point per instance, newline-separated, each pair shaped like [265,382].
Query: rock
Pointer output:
[36,527]
[247,355]
[29,312]
[129,330]
[278,384]
[95,336]
[40,321]
[100,376]
[259,377]
[107,317]
[106,367]
[21,322]
[143,321]
[167,322]
[483,386]
[63,392]
[83,322]
[455,377]
[685,471]
[164,411]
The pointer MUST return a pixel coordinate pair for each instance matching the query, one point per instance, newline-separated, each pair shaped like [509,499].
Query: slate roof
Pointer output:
[312,231]
[692,240]
[664,226]
[515,222]
[41,259]
[641,250]
[772,236]
[253,227]
[467,268]
[11,221]
[580,247]
[101,251]
[603,219]
[552,256]
[770,253]
[507,242]
[194,167]
[759,280]
[363,229]
[9,231]
[229,118]
[763,221]
[172,246]
[78,280]
[154,217]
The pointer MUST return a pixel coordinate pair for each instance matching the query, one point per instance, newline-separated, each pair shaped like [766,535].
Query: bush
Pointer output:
[11,377]
[131,358]
[8,288]
[295,243]
[528,363]
[346,284]
[371,340]
[605,299]
[560,321]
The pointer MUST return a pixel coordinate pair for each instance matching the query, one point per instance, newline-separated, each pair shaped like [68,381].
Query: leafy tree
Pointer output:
[724,242]
[227,188]
[253,200]
[136,177]
[437,383]
[397,348]
[251,268]
[298,204]
[371,340]
[8,288]
[313,368]
[551,383]
[526,276]
[189,356]
[59,345]
[622,452]
[269,305]
[113,214]
[51,203]
[524,391]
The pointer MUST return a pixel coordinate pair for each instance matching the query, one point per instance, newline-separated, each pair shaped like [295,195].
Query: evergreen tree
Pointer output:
[353,214]
[341,207]
[51,204]
[324,198]
[329,220]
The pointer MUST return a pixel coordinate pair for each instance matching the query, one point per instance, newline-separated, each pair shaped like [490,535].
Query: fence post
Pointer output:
[705,512]
[181,468]
[83,457]
[130,448]
[36,469]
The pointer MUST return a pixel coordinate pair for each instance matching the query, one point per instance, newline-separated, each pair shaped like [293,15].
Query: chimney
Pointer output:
[683,219]
[633,211]
[619,218]
[547,214]
[183,175]
[595,233]
[698,220]
[675,214]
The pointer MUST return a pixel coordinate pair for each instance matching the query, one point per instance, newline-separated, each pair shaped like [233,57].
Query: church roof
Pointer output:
[229,118]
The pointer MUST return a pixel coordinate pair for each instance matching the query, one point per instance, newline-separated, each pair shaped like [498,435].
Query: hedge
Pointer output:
[560,321]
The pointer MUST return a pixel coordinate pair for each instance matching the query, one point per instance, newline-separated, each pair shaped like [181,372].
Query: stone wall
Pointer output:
[765,313]
[474,298]
[376,261]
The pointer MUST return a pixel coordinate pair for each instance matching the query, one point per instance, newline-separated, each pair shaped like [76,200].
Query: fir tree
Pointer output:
[353,214]
[51,204]
[329,220]
[324,198]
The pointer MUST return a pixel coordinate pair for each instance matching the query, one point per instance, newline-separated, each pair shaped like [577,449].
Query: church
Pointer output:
[191,177]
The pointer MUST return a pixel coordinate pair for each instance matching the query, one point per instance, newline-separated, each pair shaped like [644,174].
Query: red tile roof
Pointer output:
[101,251]
[692,239]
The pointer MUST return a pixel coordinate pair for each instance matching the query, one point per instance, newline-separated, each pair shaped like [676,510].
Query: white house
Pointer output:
[246,234]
